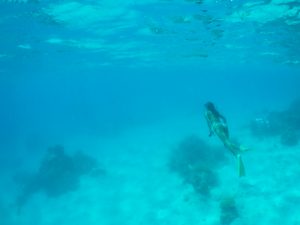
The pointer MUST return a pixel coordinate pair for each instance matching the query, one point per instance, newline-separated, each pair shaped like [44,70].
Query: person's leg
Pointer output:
[234,148]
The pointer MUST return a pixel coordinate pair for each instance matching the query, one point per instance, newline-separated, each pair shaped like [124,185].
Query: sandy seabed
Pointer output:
[139,188]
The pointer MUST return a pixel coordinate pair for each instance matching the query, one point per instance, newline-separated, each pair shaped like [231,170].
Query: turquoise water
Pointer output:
[102,111]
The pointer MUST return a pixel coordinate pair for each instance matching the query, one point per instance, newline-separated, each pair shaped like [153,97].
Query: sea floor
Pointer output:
[138,187]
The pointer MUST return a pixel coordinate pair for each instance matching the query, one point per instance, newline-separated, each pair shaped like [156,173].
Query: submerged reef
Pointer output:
[228,210]
[58,173]
[283,124]
[196,164]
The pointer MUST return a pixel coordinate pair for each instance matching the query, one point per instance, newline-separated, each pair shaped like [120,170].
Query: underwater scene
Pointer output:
[150,112]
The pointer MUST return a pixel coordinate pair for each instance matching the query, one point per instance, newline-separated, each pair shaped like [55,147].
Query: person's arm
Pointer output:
[209,125]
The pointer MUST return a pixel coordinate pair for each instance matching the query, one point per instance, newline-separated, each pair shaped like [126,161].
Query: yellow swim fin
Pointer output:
[241,167]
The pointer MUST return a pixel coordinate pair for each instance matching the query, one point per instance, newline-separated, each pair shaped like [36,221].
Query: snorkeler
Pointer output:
[217,124]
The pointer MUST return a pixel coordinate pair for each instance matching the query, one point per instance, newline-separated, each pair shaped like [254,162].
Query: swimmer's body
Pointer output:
[217,125]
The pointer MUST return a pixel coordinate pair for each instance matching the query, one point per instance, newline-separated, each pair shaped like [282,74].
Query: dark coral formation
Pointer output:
[228,210]
[59,173]
[285,124]
[196,163]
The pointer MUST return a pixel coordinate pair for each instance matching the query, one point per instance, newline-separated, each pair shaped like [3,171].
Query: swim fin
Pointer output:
[241,167]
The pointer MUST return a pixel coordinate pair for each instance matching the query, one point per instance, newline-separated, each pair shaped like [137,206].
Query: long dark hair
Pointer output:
[211,107]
